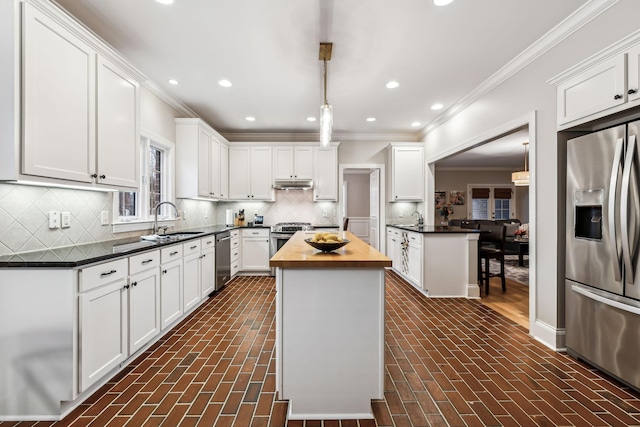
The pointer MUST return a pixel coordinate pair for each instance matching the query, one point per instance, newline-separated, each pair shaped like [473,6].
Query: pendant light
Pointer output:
[326,110]
[521,178]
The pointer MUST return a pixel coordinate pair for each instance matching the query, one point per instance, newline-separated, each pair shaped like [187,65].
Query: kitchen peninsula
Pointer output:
[329,328]
[438,261]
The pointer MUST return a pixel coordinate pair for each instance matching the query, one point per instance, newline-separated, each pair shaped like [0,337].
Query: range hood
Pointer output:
[293,184]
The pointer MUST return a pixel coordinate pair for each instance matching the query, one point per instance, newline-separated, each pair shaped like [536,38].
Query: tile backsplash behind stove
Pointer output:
[290,206]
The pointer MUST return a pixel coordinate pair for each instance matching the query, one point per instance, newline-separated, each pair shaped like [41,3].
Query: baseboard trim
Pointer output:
[554,338]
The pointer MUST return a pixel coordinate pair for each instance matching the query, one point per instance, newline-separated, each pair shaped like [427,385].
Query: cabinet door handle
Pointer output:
[203,255]
[108,273]
[173,253]
[134,283]
[193,247]
[147,261]
[164,271]
[617,97]
[632,91]
[103,176]
[94,175]
[209,242]
[254,232]
[126,286]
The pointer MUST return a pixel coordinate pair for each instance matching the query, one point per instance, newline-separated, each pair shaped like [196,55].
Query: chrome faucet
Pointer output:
[155,219]
[419,218]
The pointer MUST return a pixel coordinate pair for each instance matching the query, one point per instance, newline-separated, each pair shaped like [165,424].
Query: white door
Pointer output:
[239,173]
[144,308]
[118,130]
[191,283]
[224,171]
[303,163]
[58,101]
[374,208]
[214,166]
[283,163]
[204,163]
[103,344]
[207,278]
[170,293]
[261,174]
[255,253]
[326,174]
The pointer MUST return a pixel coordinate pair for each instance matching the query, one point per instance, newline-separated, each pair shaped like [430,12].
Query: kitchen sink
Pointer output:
[170,236]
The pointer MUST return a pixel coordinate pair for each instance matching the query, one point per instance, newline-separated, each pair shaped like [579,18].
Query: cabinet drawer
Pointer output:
[235,267]
[191,247]
[262,232]
[98,275]
[235,244]
[208,242]
[235,234]
[235,254]
[171,253]
[391,231]
[145,261]
[416,239]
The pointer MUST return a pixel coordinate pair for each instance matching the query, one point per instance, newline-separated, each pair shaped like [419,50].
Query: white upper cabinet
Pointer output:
[80,110]
[59,102]
[325,173]
[292,163]
[198,144]
[606,83]
[250,173]
[407,173]
[118,128]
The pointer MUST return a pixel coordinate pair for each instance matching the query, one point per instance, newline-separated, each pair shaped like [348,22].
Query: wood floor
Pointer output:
[514,303]
[448,362]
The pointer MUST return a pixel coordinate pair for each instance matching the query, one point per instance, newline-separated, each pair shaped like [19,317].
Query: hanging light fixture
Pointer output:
[326,110]
[521,178]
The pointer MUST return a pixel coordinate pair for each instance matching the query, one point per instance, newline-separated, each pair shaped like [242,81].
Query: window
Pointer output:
[491,202]
[156,167]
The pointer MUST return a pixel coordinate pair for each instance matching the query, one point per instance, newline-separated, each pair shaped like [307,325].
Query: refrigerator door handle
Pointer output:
[624,209]
[607,301]
[612,206]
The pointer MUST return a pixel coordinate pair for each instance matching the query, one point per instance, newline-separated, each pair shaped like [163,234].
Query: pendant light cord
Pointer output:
[325,82]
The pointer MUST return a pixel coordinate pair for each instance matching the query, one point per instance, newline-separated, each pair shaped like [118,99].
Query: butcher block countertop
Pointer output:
[296,253]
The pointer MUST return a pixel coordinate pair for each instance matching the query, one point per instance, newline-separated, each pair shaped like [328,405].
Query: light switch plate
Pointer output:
[104,218]
[54,219]
[65,220]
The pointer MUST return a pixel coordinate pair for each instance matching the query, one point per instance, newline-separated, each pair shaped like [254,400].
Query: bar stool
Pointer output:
[491,247]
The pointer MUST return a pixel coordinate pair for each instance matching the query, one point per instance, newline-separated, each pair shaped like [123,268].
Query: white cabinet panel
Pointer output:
[204,154]
[283,162]
[303,163]
[326,173]
[261,173]
[239,184]
[118,128]
[59,101]
[633,82]
[144,308]
[170,293]
[250,173]
[255,250]
[407,173]
[224,171]
[103,344]
[207,272]
[191,282]
[293,163]
[414,261]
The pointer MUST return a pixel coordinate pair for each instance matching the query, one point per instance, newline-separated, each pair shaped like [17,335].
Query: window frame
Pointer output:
[144,219]
[492,200]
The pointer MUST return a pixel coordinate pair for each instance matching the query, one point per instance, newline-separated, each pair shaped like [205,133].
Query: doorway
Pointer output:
[361,199]
[517,304]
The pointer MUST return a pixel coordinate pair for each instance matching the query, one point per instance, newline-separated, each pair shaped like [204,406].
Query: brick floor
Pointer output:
[449,362]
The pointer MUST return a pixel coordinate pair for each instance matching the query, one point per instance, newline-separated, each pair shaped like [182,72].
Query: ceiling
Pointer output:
[506,152]
[269,51]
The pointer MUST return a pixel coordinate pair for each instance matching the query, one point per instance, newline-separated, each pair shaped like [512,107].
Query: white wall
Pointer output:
[357,194]
[521,94]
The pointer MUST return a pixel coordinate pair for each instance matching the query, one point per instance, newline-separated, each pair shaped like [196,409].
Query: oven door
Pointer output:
[276,242]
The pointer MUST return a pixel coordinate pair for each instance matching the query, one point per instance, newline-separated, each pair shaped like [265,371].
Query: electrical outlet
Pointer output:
[400,213]
[54,219]
[184,215]
[205,214]
[324,213]
[104,218]
[65,220]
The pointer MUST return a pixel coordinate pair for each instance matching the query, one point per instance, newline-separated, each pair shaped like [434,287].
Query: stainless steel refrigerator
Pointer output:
[602,286]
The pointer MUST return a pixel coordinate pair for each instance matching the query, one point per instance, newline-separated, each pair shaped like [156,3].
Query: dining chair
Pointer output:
[491,247]
[345,223]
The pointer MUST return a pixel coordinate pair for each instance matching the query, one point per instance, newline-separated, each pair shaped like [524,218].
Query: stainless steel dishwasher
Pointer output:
[223,259]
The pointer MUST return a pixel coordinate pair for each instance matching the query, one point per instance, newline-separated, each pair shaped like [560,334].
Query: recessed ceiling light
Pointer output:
[224,83]
[166,2]
[441,2]
[250,119]
[393,84]
[371,119]
[416,124]
[437,106]
[311,119]
[174,82]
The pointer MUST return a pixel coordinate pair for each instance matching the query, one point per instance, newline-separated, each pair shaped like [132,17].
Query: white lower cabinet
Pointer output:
[144,308]
[235,252]
[255,249]
[170,292]
[408,245]
[414,263]
[103,344]
[207,272]
[191,283]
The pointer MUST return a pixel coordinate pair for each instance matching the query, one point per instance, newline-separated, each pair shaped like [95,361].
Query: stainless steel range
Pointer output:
[282,232]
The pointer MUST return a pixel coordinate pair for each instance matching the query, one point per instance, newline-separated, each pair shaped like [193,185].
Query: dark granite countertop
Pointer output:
[79,255]
[434,229]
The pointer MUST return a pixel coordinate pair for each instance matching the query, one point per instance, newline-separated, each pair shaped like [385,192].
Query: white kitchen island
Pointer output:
[329,329]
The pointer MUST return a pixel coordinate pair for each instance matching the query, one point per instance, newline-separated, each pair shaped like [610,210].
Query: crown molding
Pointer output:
[315,137]
[183,109]
[557,34]
[475,168]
